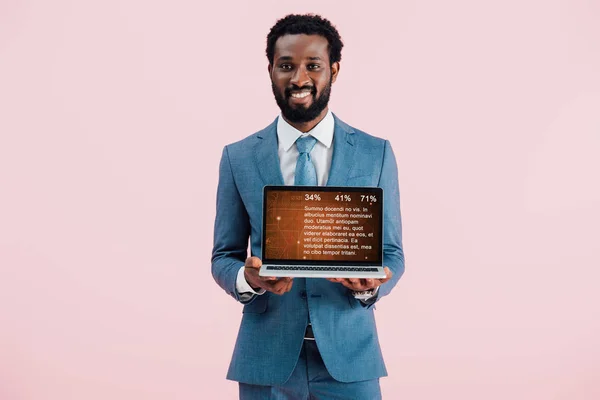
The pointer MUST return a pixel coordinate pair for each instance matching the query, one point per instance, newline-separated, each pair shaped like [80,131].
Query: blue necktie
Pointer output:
[306,175]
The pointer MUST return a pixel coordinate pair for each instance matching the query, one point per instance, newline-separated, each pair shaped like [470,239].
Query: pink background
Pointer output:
[113,115]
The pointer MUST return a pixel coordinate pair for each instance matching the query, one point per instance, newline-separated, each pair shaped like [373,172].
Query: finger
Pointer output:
[277,279]
[253,262]
[268,278]
[267,285]
[362,285]
[347,283]
[279,286]
[369,283]
[270,287]
[289,286]
[252,273]
[339,280]
[357,284]
[284,286]
[284,279]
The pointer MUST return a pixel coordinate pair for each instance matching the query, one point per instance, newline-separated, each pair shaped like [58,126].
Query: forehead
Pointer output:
[302,46]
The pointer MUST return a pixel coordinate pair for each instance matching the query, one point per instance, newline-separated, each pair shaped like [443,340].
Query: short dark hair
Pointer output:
[308,24]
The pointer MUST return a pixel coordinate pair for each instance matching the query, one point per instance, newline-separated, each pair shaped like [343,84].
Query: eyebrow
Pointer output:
[289,58]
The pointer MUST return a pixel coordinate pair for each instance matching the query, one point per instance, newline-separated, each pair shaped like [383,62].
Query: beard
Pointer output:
[300,114]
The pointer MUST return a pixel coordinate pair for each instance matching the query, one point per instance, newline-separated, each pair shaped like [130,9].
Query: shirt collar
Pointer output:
[323,132]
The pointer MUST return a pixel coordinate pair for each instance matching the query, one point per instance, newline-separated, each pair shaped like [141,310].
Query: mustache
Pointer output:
[294,88]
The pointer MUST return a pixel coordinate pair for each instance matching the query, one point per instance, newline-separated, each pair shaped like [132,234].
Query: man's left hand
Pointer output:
[359,284]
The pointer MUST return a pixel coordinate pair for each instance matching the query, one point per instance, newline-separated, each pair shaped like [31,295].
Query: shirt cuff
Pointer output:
[242,286]
[361,297]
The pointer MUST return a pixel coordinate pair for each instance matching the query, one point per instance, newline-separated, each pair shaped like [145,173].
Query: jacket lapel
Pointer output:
[342,160]
[266,157]
[344,152]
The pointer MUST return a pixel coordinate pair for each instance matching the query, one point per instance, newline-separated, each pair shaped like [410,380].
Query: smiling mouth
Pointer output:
[300,95]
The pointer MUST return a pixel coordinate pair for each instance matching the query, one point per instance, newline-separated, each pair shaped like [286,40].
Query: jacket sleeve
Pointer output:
[231,231]
[393,254]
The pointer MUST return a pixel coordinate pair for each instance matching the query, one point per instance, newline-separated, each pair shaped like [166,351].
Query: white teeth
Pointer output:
[300,95]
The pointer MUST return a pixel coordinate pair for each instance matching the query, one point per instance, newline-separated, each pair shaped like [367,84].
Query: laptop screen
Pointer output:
[322,225]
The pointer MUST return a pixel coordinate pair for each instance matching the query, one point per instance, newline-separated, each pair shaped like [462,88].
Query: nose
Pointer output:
[300,77]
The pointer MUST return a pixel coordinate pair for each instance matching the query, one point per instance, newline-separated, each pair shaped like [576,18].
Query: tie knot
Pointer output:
[305,144]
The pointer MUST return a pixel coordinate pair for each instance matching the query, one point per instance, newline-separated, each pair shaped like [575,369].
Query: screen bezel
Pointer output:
[341,189]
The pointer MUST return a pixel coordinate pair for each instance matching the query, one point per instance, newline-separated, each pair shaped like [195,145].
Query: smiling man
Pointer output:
[303,338]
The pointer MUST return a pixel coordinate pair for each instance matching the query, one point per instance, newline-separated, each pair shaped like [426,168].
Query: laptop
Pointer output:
[322,232]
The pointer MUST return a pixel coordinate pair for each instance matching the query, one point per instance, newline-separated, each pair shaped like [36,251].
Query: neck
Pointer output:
[307,126]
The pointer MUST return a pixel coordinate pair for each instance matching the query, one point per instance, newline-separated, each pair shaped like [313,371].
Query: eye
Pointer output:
[285,67]
[313,67]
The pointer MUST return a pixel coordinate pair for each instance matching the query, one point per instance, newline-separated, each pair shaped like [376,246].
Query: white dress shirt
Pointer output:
[288,153]
[320,155]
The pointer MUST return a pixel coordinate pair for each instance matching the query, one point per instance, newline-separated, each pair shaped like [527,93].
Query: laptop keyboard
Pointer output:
[310,268]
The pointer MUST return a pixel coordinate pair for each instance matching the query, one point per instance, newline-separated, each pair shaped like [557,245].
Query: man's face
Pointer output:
[301,76]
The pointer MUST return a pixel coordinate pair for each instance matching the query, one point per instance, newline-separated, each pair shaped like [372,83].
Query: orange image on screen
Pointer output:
[334,226]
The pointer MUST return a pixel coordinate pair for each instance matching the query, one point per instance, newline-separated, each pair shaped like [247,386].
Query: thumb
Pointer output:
[253,262]
[388,275]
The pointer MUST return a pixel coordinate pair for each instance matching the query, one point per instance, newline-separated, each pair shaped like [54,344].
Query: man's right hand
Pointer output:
[269,283]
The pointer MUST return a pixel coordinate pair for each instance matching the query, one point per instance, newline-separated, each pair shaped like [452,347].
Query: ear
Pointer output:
[335,69]
[270,68]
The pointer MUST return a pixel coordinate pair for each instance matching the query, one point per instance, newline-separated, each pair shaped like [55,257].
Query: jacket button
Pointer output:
[303,294]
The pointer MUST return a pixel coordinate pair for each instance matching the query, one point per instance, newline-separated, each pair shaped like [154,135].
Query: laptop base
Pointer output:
[301,271]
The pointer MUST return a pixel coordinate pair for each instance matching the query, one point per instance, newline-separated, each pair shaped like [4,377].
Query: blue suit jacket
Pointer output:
[272,328]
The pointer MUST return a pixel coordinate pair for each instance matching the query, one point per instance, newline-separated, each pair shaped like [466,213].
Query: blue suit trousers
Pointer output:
[311,381]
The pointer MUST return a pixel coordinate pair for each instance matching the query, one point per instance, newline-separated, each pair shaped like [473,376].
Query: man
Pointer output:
[303,338]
